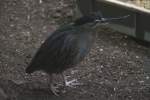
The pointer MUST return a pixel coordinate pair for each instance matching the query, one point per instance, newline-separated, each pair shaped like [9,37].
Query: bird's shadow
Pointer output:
[38,94]
[27,91]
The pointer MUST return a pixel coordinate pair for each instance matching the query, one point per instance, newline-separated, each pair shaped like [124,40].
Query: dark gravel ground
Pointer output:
[114,69]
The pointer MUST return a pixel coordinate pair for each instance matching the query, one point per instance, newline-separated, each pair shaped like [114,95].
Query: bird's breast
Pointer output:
[84,45]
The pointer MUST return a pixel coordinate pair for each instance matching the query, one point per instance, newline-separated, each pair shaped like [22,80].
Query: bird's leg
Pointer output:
[71,83]
[64,79]
[53,87]
[2,94]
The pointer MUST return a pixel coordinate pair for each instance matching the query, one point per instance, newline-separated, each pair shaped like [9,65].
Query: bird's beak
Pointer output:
[105,20]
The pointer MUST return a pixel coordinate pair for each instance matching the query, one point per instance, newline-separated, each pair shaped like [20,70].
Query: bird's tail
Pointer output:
[30,69]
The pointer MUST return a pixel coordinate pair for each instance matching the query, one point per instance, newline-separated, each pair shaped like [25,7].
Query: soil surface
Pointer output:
[114,69]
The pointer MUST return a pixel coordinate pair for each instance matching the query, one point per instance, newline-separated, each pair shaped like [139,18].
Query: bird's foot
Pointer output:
[54,89]
[73,83]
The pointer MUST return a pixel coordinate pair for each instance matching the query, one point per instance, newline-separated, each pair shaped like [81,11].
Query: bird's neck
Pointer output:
[85,27]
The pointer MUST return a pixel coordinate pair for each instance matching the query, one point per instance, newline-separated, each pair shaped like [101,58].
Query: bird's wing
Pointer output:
[69,49]
[57,50]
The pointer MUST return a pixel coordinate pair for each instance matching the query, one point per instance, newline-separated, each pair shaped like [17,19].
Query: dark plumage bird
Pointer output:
[66,47]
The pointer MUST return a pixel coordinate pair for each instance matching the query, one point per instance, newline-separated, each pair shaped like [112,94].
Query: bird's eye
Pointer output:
[97,20]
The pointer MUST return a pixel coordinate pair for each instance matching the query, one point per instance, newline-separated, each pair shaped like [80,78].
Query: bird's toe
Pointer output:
[73,83]
[54,90]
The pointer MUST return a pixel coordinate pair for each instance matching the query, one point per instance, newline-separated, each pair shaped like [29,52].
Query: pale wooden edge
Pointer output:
[126,5]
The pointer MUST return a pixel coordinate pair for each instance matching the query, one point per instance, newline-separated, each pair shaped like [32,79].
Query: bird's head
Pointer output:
[95,18]
[89,19]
